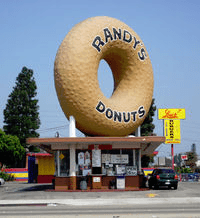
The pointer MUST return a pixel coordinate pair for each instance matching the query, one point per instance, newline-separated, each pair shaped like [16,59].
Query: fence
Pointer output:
[20,174]
[189,177]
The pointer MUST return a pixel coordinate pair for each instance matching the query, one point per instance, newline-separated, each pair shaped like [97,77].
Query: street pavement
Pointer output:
[15,193]
[23,200]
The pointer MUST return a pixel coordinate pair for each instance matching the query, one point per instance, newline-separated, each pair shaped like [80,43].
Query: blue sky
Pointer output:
[31,32]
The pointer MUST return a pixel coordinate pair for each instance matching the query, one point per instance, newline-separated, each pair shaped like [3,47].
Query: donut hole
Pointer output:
[105,79]
[120,62]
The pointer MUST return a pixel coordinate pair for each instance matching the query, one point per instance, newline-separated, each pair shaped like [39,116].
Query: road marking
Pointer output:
[151,195]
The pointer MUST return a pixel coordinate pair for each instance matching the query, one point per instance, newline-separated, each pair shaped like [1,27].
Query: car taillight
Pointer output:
[176,177]
[157,177]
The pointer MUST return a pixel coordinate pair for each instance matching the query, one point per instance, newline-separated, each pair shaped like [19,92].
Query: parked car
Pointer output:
[163,177]
[2,182]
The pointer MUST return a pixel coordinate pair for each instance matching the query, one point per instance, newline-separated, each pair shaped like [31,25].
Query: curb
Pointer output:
[101,202]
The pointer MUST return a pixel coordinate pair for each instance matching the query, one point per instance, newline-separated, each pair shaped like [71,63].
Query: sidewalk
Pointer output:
[101,202]
[15,193]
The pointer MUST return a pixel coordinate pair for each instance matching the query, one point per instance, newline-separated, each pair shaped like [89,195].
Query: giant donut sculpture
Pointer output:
[76,77]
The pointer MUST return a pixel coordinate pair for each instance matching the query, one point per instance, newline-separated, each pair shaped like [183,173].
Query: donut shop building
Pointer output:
[101,162]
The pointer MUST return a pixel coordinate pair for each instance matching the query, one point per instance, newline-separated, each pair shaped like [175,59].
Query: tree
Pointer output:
[146,160]
[177,160]
[192,157]
[193,148]
[11,152]
[21,116]
[147,126]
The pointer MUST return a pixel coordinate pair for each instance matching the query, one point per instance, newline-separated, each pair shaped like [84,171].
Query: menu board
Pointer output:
[120,183]
[120,169]
[87,172]
[119,158]
[106,158]
[96,158]
[87,158]
[80,158]
[131,171]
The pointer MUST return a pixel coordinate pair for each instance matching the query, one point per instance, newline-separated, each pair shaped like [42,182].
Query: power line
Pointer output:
[53,128]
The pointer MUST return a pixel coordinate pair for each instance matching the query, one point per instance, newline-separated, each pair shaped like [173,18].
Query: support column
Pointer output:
[139,159]
[72,167]
[58,163]
[72,133]
[138,132]
[134,162]
[72,127]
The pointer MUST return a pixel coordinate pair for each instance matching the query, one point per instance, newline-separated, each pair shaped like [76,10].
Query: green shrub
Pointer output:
[6,176]
[186,170]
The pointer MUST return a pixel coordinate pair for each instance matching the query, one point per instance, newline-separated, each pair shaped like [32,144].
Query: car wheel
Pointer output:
[150,186]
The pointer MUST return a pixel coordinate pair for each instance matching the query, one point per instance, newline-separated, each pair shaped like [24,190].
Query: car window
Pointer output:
[155,172]
[167,171]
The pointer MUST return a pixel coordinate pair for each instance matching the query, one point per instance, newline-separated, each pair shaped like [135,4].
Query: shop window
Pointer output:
[114,162]
[128,152]
[120,162]
[83,162]
[64,160]
[137,159]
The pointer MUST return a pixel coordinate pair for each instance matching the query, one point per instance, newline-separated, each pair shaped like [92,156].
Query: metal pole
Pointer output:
[138,132]
[134,162]
[72,127]
[58,163]
[172,153]
[139,160]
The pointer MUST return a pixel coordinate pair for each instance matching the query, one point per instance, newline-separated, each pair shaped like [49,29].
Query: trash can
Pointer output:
[83,184]
[112,184]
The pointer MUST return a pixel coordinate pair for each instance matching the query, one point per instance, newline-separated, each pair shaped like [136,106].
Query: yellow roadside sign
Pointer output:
[171,114]
[61,156]
[172,131]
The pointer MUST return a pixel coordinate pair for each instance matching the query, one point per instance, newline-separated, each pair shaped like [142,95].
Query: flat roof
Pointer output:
[147,144]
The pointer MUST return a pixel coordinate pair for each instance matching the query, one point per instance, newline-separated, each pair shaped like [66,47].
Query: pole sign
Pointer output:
[172,131]
[171,114]
[184,157]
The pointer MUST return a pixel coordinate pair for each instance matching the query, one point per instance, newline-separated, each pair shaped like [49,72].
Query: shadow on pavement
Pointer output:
[35,188]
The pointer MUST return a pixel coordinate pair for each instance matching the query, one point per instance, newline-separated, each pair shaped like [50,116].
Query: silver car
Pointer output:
[2,182]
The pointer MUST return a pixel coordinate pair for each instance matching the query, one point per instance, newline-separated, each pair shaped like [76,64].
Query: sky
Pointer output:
[32,31]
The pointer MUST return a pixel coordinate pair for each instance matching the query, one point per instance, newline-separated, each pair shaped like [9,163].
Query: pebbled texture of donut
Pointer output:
[76,77]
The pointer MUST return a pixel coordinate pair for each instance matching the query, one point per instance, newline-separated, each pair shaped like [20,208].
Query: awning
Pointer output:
[147,144]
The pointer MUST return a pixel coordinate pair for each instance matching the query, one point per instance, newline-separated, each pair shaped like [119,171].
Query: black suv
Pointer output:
[163,177]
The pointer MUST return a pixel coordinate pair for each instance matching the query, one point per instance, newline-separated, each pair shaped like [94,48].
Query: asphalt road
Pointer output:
[33,200]
[112,211]
[25,191]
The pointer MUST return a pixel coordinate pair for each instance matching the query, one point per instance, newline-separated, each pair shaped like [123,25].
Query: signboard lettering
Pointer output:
[123,35]
[172,131]
[172,114]
[119,159]
[120,116]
